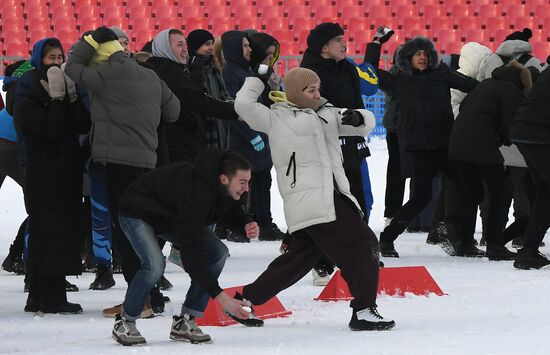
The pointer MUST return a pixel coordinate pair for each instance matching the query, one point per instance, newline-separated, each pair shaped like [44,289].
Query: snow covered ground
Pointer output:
[491,308]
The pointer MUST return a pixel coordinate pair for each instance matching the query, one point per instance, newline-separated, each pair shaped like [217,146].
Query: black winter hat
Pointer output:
[320,35]
[196,38]
[523,35]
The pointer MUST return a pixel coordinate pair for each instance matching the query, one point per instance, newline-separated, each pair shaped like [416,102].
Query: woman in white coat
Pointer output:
[321,213]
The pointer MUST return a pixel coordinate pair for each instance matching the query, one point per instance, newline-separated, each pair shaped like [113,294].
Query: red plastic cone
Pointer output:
[214,314]
[394,281]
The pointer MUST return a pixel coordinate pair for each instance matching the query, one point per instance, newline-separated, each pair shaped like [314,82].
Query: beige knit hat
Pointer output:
[296,81]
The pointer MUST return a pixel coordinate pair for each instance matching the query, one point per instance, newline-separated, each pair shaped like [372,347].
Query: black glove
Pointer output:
[352,118]
[257,56]
[383,34]
[104,34]
[263,73]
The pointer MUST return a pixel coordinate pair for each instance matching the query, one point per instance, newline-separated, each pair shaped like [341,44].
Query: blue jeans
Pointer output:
[142,237]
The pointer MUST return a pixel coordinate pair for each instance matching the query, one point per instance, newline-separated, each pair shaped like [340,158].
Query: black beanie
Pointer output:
[320,35]
[196,38]
[523,35]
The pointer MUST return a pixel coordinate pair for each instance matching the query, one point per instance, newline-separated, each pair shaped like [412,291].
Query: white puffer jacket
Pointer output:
[305,150]
[472,54]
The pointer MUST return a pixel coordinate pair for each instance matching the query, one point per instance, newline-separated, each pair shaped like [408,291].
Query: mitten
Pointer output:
[71,87]
[352,118]
[383,34]
[55,86]
[258,143]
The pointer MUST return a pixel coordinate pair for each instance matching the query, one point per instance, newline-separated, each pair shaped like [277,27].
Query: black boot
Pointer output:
[157,300]
[65,308]
[433,238]
[387,249]
[164,284]
[271,232]
[69,287]
[499,252]
[530,259]
[103,279]
[251,321]
[369,319]
[14,263]
[469,250]
[448,238]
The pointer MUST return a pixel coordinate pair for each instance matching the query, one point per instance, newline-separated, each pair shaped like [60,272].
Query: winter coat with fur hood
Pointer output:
[511,49]
[425,115]
[472,54]
[485,116]
[305,150]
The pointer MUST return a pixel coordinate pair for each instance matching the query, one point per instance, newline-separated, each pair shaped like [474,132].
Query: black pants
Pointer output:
[536,157]
[47,289]
[260,197]
[118,177]
[348,242]
[474,176]
[395,184]
[426,165]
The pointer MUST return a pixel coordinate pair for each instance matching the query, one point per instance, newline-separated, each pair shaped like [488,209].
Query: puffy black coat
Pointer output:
[531,123]
[341,87]
[185,198]
[485,116]
[53,175]
[186,137]
[425,114]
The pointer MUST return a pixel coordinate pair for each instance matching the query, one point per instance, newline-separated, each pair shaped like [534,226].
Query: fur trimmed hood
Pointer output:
[412,46]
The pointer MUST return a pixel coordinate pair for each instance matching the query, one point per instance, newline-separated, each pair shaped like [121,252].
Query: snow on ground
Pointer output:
[491,308]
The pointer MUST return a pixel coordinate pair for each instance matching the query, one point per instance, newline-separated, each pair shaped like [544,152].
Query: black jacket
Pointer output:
[531,123]
[485,116]
[425,115]
[53,174]
[185,198]
[186,137]
[341,87]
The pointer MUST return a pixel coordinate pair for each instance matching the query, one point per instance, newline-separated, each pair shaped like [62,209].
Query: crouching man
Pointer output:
[177,203]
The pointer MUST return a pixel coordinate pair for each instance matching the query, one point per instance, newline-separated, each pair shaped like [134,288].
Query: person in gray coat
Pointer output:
[128,103]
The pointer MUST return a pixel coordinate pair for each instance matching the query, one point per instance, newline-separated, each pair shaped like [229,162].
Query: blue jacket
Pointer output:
[7,129]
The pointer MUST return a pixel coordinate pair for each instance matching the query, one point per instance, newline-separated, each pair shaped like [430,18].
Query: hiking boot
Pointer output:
[387,249]
[14,263]
[251,321]
[530,259]
[126,333]
[103,279]
[447,237]
[432,238]
[236,237]
[499,252]
[65,308]
[164,284]
[112,312]
[175,257]
[320,277]
[69,287]
[185,329]
[369,319]
[271,232]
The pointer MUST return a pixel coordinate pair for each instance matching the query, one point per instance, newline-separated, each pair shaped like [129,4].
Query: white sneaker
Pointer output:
[369,319]
[387,221]
[320,278]
[126,333]
[185,329]
[175,257]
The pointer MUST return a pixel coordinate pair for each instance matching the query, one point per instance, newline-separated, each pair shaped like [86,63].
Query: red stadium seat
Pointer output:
[165,11]
[343,3]
[324,11]
[42,23]
[356,24]
[15,22]
[499,35]
[266,12]
[377,11]
[496,23]
[55,3]
[10,11]
[191,11]
[361,36]
[468,23]
[217,13]
[62,12]
[533,4]
[302,24]
[283,35]
[440,23]
[545,23]
[79,3]
[237,3]
[113,11]
[138,24]
[447,39]
[37,35]
[478,3]
[423,3]
[318,2]
[430,11]
[109,3]
[297,12]
[273,24]
[10,33]
[121,22]
[90,24]
[541,50]
[170,22]
[481,37]
[244,11]
[221,25]
[540,36]
[16,49]
[66,36]
[376,21]
[485,11]
[63,23]
[461,10]
[403,11]
[412,24]
[519,23]
[246,23]
[274,3]
[352,11]
[144,36]
[138,11]
[87,11]
[516,10]
[36,10]
[193,23]
[161,3]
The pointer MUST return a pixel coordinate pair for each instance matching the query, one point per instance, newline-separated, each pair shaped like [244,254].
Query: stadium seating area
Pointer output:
[449,22]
